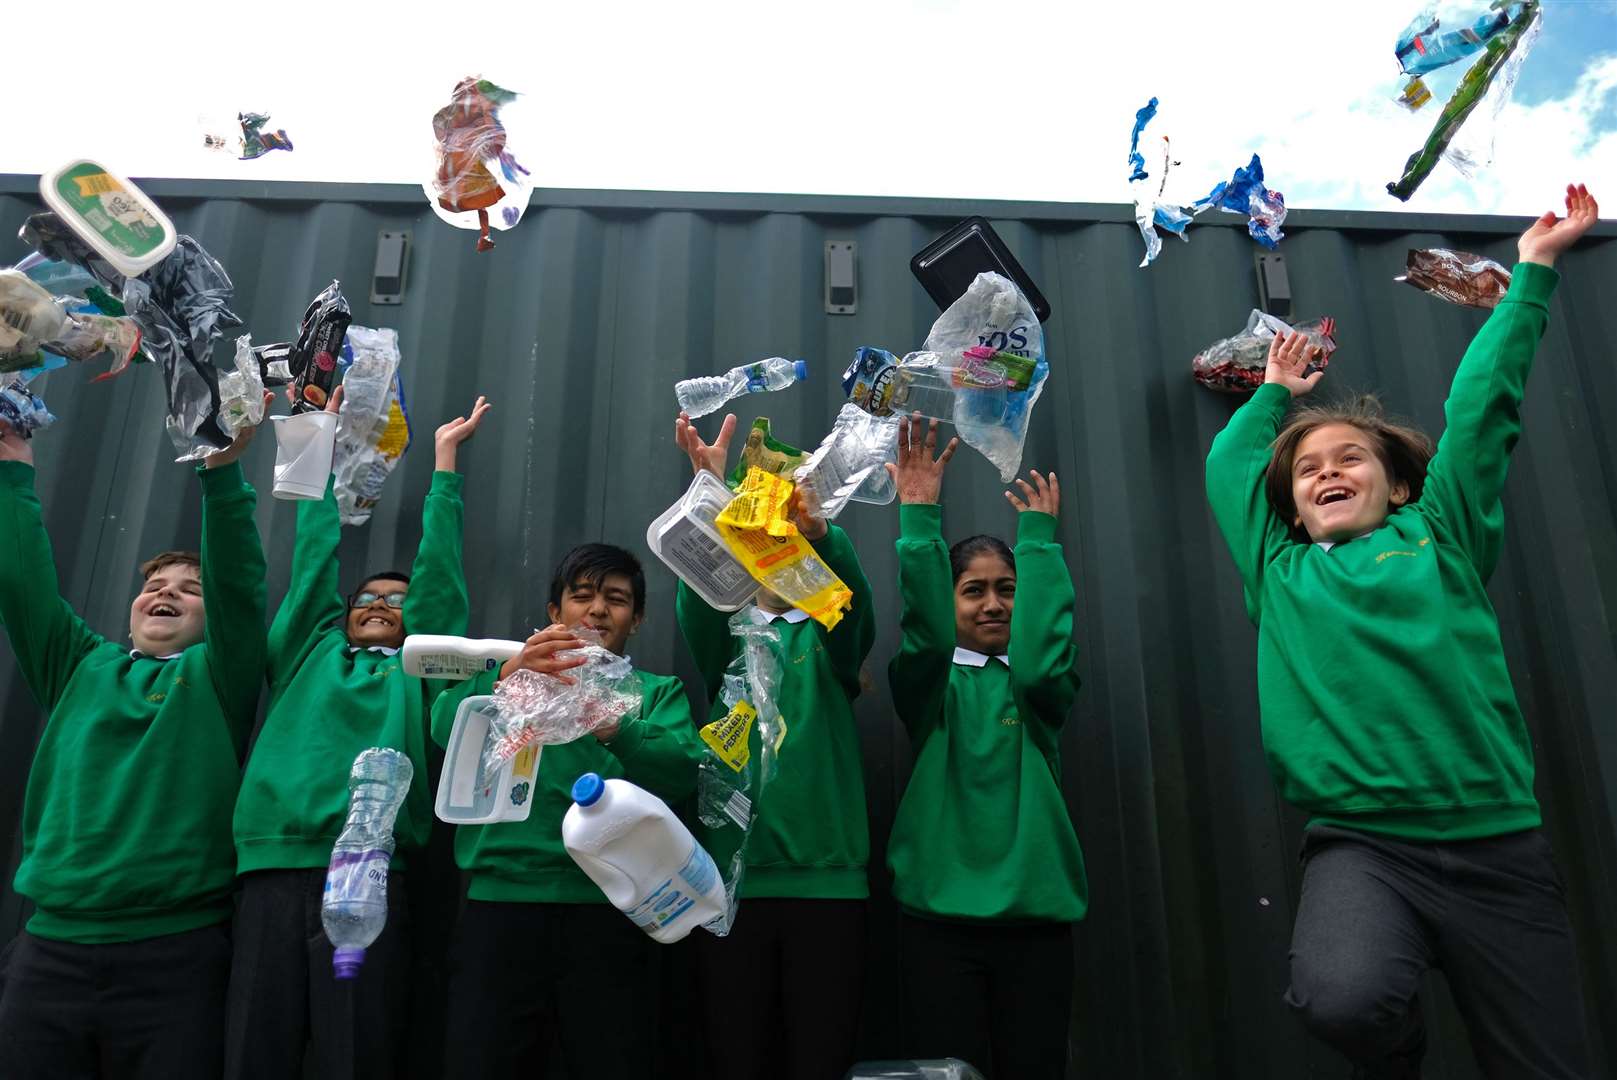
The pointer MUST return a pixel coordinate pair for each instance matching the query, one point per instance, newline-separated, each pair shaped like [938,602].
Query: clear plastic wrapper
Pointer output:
[1472,147]
[478,181]
[849,464]
[1244,193]
[180,305]
[1236,364]
[1425,46]
[1456,276]
[741,757]
[241,392]
[755,527]
[536,709]
[1150,212]
[373,430]
[1492,77]
[994,314]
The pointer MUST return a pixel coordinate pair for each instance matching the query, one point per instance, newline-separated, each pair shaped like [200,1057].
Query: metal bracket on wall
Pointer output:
[1274,285]
[841,277]
[392,259]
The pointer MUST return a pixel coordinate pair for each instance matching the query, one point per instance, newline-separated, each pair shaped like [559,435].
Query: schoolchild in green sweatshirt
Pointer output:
[986,866]
[1387,709]
[336,689]
[538,952]
[126,852]
[791,973]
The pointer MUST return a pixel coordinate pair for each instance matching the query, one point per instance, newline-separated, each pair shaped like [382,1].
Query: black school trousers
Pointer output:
[997,995]
[1377,913]
[287,1012]
[135,1010]
[784,989]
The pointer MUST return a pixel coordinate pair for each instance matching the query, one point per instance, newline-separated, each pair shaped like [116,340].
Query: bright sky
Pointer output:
[1010,99]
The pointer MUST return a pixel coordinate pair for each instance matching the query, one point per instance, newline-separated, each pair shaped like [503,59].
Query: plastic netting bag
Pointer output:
[742,755]
[478,182]
[993,315]
[544,710]
[373,430]
[1236,364]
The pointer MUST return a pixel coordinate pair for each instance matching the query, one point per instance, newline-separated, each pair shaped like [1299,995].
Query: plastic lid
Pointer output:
[587,789]
[801,367]
[345,962]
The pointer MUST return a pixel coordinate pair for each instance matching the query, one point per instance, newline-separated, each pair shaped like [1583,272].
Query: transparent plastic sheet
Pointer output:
[849,464]
[1236,364]
[373,430]
[180,305]
[993,314]
[741,756]
[1503,51]
[1244,193]
[477,181]
[1456,276]
[1472,147]
[536,709]
[241,392]
[755,528]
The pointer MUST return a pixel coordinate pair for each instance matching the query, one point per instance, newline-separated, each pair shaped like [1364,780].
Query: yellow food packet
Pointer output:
[755,529]
[728,735]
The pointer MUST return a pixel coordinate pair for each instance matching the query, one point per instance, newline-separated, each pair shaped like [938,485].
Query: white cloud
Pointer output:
[1010,99]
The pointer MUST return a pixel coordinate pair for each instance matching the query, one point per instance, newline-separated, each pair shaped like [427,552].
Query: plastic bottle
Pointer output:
[708,393]
[643,857]
[354,908]
[445,656]
[923,382]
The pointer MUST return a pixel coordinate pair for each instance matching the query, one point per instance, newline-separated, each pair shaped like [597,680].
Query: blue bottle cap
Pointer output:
[801,367]
[345,962]
[587,789]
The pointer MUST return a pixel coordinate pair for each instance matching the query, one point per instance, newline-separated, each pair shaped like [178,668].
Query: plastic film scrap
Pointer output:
[373,430]
[538,709]
[478,182]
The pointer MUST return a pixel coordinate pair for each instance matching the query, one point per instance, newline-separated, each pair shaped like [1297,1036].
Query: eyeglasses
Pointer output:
[394,600]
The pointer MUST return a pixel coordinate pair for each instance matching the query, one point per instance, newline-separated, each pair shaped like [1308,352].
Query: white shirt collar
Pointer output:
[385,650]
[1329,544]
[136,654]
[794,616]
[976,659]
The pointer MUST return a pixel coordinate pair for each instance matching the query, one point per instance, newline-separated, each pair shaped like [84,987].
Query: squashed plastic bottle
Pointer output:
[354,908]
[708,393]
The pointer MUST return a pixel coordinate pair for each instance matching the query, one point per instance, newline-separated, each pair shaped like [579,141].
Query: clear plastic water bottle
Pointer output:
[354,908]
[708,393]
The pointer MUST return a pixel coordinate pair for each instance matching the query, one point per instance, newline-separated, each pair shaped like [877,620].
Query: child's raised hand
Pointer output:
[709,456]
[918,474]
[1289,357]
[13,447]
[1043,495]
[539,653]
[1549,236]
[220,458]
[804,512]
[447,439]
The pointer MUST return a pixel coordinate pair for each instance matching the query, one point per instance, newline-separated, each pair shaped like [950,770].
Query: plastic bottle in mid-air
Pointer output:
[708,393]
[643,857]
[354,908]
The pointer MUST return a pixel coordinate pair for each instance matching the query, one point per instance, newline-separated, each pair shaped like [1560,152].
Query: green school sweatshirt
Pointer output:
[125,830]
[810,839]
[524,861]
[1386,705]
[982,831]
[329,701]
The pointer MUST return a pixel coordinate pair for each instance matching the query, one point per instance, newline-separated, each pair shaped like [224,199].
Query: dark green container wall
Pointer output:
[581,320]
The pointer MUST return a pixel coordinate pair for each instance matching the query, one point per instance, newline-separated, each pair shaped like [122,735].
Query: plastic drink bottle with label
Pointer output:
[643,857]
[354,907]
[446,656]
[708,393]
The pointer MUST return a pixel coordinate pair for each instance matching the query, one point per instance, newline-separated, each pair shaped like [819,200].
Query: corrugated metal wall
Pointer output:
[582,319]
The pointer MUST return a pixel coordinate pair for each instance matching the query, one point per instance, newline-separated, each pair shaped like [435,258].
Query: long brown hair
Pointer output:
[1403,450]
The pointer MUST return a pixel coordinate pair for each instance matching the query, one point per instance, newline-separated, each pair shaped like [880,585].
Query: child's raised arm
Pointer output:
[919,672]
[312,599]
[1239,456]
[1483,411]
[436,602]
[1044,659]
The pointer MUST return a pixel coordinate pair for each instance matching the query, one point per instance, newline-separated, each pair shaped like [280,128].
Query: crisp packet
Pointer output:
[1456,276]
[1236,364]
[755,528]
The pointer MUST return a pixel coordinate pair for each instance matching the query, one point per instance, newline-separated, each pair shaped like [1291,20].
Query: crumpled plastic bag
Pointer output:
[1236,365]
[1491,79]
[250,140]
[1456,276]
[538,709]
[23,410]
[373,430]
[1244,193]
[181,305]
[241,392]
[1150,212]
[742,755]
[994,314]
[478,182]
[755,528]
